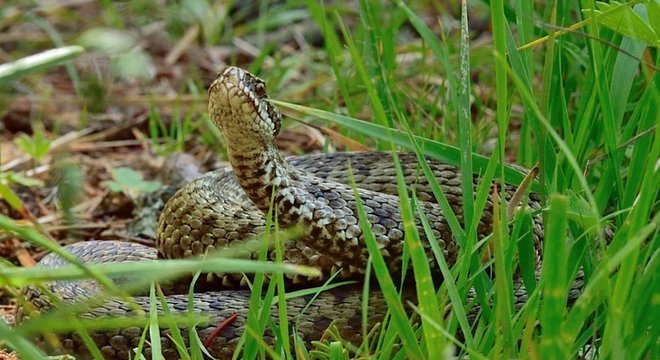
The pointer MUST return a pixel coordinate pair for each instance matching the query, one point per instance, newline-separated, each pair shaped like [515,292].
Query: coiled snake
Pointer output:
[229,205]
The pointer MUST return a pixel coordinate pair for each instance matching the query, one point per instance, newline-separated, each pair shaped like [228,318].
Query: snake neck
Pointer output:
[264,172]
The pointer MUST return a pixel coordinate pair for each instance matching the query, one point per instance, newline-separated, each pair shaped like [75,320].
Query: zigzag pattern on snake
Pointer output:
[229,204]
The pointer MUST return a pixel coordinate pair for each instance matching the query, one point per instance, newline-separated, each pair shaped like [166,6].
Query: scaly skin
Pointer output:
[228,205]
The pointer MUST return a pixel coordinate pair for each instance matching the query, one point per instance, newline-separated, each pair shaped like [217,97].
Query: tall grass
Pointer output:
[581,104]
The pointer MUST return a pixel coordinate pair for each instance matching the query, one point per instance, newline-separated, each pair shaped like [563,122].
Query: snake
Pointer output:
[314,192]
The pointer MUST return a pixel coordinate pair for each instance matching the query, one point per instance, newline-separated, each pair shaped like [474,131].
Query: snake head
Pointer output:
[238,105]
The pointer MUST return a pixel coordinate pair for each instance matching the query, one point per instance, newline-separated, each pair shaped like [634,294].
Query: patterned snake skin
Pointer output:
[229,205]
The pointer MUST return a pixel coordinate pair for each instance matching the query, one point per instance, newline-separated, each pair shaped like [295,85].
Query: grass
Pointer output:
[581,104]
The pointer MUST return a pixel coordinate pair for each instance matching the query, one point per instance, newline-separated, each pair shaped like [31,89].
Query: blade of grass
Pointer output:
[18,343]
[193,338]
[634,231]
[380,51]
[281,299]
[447,334]
[154,270]
[454,225]
[458,305]
[34,237]
[334,50]
[611,11]
[436,150]
[154,329]
[522,64]
[645,118]
[465,120]
[261,303]
[504,345]
[380,116]
[399,317]
[365,303]
[258,312]
[593,292]
[554,276]
[177,338]
[528,99]
[428,303]
[503,283]
[610,128]
[437,47]
[58,41]
[91,346]
[636,219]
[37,63]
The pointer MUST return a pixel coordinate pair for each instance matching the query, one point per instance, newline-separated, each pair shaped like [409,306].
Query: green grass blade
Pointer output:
[91,346]
[610,128]
[154,329]
[428,303]
[619,299]
[594,291]
[381,271]
[377,106]
[258,312]
[195,351]
[457,303]
[456,228]
[439,327]
[21,345]
[528,99]
[154,270]
[465,120]
[431,38]
[177,338]
[37,63]
[434,149]
[504,345]
[554,277]
[334,49]
[281,299]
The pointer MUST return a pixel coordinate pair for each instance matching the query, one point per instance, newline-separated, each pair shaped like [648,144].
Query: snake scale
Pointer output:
[229,205]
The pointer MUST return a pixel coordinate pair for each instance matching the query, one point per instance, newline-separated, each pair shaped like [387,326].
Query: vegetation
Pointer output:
[571,87]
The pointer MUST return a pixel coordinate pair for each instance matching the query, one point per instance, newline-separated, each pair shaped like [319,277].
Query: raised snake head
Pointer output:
[238,105]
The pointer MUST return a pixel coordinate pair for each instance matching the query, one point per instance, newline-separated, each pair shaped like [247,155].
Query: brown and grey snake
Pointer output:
[229,205]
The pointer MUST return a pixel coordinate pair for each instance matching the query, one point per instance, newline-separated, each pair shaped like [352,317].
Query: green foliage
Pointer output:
[129,60]
[131,182]
[206,16]
[641,22]
[37,145]
[134,64]
[10,177]
[583,105]
[6,193]
[95,95]
[168,139]
[410,345]
[10,196]
[107,41]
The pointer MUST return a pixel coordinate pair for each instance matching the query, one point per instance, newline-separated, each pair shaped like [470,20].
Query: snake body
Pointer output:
[228,205]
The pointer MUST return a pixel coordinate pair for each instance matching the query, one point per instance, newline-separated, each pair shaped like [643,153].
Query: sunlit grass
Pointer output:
[583,106]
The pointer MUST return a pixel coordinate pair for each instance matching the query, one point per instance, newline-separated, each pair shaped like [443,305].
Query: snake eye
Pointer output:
[260,89]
